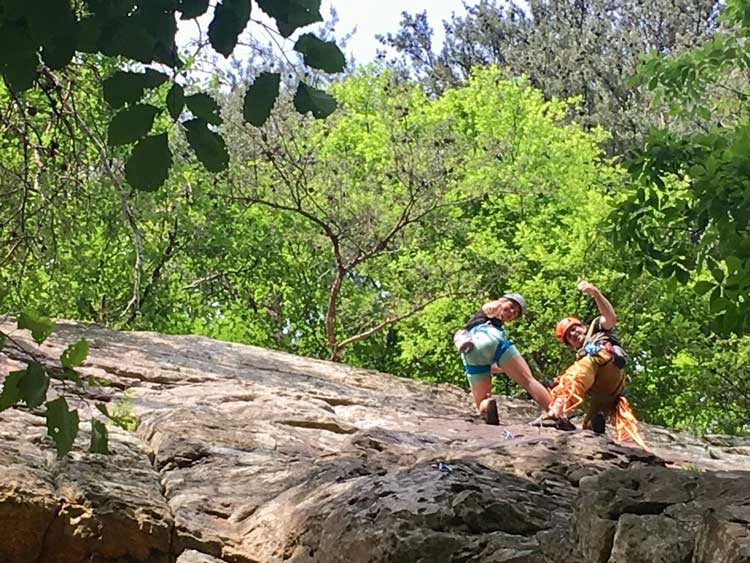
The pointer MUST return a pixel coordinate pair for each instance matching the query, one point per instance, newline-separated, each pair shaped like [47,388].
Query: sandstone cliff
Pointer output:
[249,455]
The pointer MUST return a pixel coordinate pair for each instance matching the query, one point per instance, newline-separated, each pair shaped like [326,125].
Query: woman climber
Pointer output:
[485,349]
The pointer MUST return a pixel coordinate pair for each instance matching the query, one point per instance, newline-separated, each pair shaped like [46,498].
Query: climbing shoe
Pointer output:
[548,421]
[490,414]
[564,424]
[598,423]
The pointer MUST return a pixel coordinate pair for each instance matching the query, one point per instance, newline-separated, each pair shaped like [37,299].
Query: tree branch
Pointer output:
[390,321]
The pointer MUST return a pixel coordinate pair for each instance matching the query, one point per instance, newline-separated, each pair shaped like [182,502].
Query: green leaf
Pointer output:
[89,31]
[49,18]
[682,275]
[127,87]
[131,124]
[734,263]
[14,9]
[103,409]
[261,97]
[99,438]
[148,166]
[53,25]
[153,78]
[703,287]
[33,385]
[291,14]
[18,55]
[311,99]
[230,18]
[62,425]
[40,327]
[192,8]
[75,354]
[324,55]
[175,101]
[2,342]
[718,305]
[130,38]
[10,394]
[21,73]
[209,147]
[204,107]
[58,51]
[71,375]
[717,273]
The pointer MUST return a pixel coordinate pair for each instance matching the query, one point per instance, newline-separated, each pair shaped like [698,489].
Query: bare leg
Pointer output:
[481,390]
[518,370]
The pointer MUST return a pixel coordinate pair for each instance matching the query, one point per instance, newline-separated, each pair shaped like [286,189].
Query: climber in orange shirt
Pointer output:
[599,372]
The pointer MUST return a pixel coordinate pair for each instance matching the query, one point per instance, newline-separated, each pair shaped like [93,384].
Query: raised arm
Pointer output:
[609,317]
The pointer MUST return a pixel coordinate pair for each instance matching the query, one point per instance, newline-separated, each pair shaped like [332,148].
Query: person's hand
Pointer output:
[587,287]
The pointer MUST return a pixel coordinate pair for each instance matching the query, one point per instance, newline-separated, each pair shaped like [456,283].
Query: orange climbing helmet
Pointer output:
[564,326]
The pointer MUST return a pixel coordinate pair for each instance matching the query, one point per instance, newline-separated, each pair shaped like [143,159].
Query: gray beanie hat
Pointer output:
[518,299]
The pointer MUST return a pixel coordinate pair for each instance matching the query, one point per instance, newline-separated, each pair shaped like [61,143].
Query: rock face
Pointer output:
[249,455]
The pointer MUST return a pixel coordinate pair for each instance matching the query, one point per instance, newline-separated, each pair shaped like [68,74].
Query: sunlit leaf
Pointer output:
[40,326]
[75,354]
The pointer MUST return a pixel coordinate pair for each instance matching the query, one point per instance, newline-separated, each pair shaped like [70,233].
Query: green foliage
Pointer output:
[75,354]
[204,107]
[192,8]
[32,387]
[145,33]
[324,55]
[131,124]
[11,394]
[40,327]
[127,87]
[291,14]
[122,413]
[230,18]
[149,163]
[209,147]
[313,100]
[260,98]
[586,48]
[175,101]
[62,425]
[99,438]
[688,212]
[420,207]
